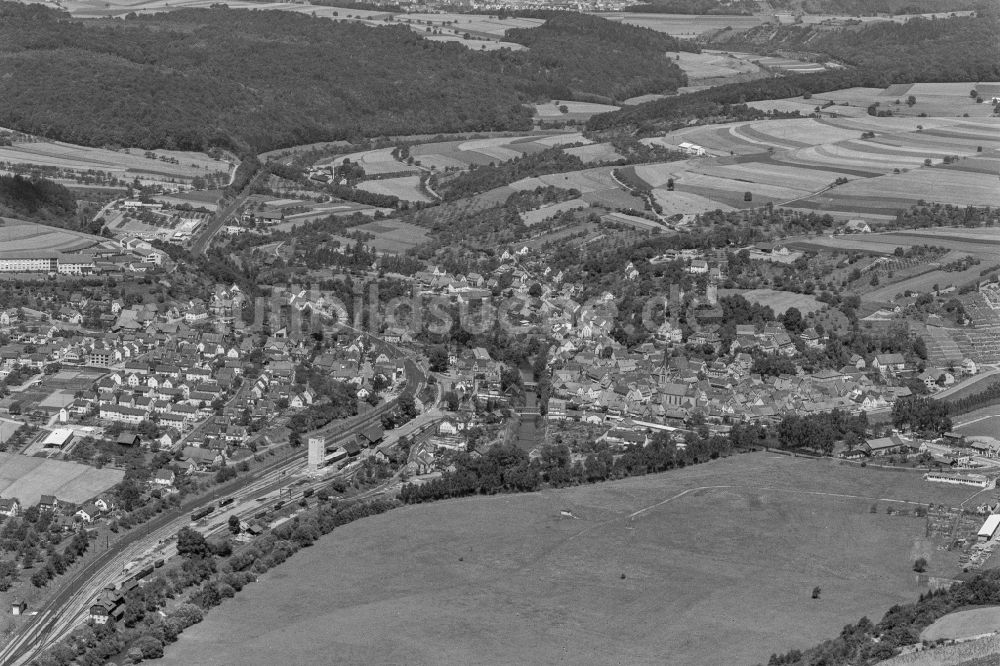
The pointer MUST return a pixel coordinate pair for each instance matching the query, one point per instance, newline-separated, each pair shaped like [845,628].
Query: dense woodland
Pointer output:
[36,199]
[880,54]
[254,81]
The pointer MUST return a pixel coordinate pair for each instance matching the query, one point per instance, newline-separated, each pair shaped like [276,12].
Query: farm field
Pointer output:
[732,548]
[964,624]
[940,185]
[18,236]
[684,25]
[406,188]
[28,478]
[125,164]
[779,301]
[933,99]
[794,162]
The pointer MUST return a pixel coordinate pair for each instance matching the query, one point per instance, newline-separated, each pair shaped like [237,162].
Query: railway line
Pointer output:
[70,605]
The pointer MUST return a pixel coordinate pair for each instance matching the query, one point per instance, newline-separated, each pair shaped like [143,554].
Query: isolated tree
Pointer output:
[920,565]
[747,196]
[234,524]
[816,591]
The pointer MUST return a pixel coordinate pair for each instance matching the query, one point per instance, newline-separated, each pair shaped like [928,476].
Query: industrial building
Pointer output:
[989,528]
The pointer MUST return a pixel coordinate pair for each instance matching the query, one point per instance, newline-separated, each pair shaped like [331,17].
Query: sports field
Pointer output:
[713,564]
[28,478]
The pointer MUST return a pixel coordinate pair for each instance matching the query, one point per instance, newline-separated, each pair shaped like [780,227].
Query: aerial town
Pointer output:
[613,327]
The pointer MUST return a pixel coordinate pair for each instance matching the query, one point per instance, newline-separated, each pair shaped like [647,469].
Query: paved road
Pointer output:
[958,386]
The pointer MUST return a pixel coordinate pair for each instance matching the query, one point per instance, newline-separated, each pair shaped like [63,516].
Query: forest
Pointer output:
[880,54]
[252,81]
[35,199]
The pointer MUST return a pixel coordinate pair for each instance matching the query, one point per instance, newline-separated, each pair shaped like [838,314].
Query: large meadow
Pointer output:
[711,564]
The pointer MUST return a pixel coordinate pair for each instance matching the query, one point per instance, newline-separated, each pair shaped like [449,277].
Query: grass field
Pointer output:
[685,25]
[713,64]
[964,624]
[719,561]
[779,301]
[18,236]
[982,427]
[29,478]
[406,188]
[393,235]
